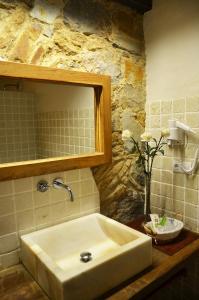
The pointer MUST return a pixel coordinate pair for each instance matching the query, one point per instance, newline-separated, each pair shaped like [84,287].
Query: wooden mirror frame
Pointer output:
[102,87]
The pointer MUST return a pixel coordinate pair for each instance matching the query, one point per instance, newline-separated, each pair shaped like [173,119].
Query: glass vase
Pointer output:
[147,197]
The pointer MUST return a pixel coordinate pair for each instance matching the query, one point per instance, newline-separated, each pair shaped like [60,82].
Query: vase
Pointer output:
[147,197]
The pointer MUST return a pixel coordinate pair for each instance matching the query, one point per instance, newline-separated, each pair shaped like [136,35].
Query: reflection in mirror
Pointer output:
[43,120]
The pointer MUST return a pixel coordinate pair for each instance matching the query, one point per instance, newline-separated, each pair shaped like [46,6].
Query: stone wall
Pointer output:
[91,36]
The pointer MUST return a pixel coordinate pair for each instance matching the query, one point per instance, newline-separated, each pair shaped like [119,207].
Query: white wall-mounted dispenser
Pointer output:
[178,132]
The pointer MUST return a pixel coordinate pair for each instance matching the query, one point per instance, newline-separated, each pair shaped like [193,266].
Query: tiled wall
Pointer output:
[17,126]
[23,209]
[26,134]
[65,132]
[173,193]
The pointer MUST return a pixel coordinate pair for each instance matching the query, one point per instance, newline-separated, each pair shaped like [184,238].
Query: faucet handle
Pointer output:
[42,186]
[58,183]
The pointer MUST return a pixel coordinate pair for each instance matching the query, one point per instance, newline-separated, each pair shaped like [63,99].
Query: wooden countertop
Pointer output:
[17,284]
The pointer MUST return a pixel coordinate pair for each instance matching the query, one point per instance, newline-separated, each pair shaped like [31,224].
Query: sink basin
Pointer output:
[54,256]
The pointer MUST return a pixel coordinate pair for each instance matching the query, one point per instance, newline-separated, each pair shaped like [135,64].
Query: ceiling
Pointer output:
[140,5]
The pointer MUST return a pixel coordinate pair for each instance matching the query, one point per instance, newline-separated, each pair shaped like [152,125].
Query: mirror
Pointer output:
[52,120]
[42,120]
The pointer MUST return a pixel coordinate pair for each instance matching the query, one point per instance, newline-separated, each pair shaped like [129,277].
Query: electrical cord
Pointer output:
[193,165]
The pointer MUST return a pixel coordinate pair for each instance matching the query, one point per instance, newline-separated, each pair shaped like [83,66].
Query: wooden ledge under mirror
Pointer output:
[52,120]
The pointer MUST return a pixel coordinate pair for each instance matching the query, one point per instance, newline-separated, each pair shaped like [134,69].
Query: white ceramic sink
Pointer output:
[52,255]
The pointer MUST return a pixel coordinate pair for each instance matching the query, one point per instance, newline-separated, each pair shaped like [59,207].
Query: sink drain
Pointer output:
[85,257]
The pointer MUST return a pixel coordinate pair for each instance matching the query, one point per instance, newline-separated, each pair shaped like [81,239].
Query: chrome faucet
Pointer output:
[58,183]
[43,186]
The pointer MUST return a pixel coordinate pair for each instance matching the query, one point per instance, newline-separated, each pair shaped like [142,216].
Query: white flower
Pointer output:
[146,137]
[126,135]
[165,132]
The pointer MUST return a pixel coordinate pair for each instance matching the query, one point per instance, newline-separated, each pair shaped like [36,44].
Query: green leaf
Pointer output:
[152,152]
[161,151]
[162,221]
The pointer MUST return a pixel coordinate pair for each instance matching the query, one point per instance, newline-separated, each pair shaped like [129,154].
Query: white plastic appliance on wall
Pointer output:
[178,134]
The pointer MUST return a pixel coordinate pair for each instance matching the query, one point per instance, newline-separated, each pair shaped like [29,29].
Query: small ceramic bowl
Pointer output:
[164,236]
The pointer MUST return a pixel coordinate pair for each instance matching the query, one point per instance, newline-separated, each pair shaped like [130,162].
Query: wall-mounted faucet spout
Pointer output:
[58,183]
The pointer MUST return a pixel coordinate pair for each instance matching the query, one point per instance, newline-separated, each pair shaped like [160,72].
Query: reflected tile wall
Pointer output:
[65,132]
[17,126]
[26,134]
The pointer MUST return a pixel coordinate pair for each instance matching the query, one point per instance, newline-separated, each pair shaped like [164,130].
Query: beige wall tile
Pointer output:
[155,187]
[7,224]
[6,205]
[41,199]
[42,215]
[58,210]
[9,242]
[193,119]
[25,219]
[178,193]
[157,162]
[72,175]
[167,177]
[6,188]
[156,200]
[23,185]
[192,104]
[23,201]
[190,211]
[73,208]
[89,202]
[191,196]
[57,195]
[166,190]
[167,163]
[179,106]
[10,259]
[155,108]
[179,116]
[191,224]
[85,174]
[165,120]
[191,182]
[167,203]
[166,107]
[179,207]
[86,187]
[155,121]
[156,174]
[168,152]
[179,179]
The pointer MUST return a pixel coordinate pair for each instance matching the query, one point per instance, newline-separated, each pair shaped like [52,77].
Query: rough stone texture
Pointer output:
[88,16]
[127,30]
[46,11]
[93,36]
